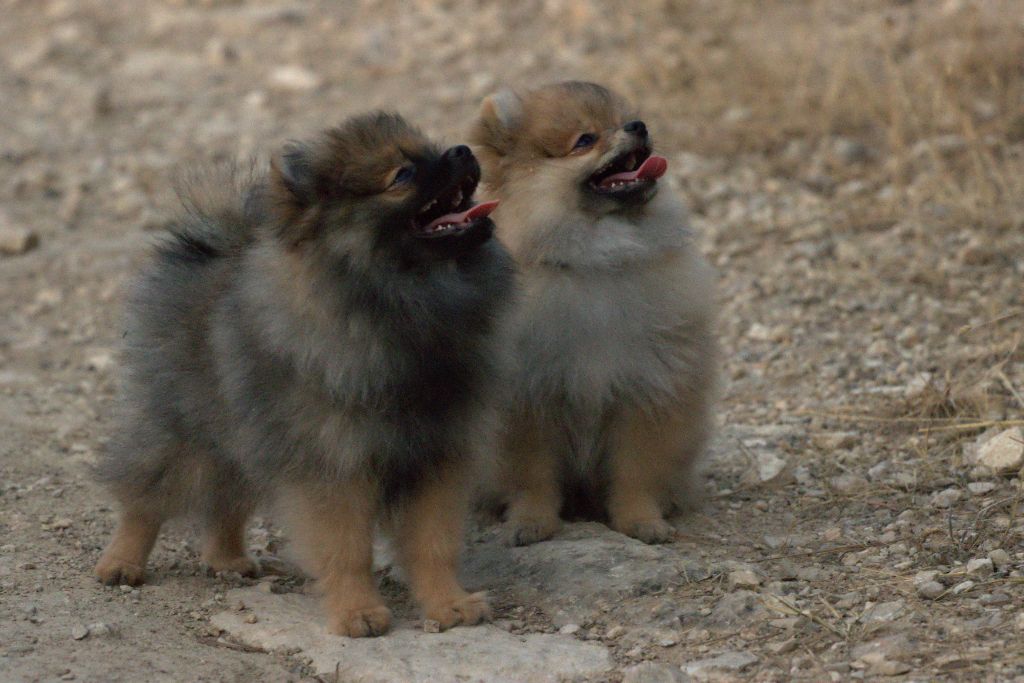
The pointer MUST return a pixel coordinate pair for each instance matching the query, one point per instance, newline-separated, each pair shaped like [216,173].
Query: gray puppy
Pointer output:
[321,336]
[613,346]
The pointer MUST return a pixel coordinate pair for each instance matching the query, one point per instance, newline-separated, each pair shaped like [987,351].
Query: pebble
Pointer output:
[296,78]
[79,632]
[1003,453]
[930,590]
[14,241]
[980,488]
[884,611]
[734,661]
[569,629]
[962,587]
[251,619]
[431,626]
[981,566]
[1000,558]
[848,483]
[615,632]
[878,665]
[832,441]
[744,578]
[653,672]
[946,497]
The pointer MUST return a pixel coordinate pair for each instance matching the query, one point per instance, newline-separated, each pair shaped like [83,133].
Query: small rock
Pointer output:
[930,590]
[569,629]
[832,441]
[615,632]
[1003,453]
[981,566]
[15,240]
[878,665]
[962,587]
[100,629]
[251,619]
[946,497]
[783,647]
[744,578]
[654,672]
[431,626]
[100,362]
[884,611]
[1000,558]
[297,78]
[727,661]
[994,599]
[79,632]
[848,483]
[980,488]
[768,467]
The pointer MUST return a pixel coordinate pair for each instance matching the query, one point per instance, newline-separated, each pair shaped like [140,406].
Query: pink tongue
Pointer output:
[653,168]
[471,214]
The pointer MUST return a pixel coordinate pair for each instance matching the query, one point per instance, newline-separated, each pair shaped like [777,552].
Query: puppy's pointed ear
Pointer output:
[500,115]
[293,188]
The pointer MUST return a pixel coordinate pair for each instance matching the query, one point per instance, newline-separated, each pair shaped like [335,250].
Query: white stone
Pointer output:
[654,672]
[980,488]
[1000,558]
[1003,453]
[15,239]
[744,578]
[291,77]
[946,497]
[406,653]
[962,587]
[733,662]
[981,566]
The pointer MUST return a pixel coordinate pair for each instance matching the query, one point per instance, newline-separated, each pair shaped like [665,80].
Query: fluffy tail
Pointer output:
[222,205]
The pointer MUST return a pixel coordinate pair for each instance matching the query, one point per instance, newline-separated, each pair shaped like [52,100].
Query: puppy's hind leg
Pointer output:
[530,472]
[429,534]
[228,503]
[150,486]
[124,559]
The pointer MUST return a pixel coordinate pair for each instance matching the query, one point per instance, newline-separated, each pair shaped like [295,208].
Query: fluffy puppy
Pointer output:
[323,336]
[614,354]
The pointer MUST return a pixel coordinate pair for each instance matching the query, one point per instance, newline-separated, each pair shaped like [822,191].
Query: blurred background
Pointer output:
[855,170]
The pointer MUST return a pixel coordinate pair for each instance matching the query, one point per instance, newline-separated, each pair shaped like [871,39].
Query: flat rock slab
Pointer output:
[585,567]
[408,654]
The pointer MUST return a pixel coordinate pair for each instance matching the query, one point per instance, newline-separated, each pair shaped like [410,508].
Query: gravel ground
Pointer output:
[855,173]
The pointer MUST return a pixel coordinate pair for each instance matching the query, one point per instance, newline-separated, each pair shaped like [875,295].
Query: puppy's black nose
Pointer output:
[458,152]
[638,127]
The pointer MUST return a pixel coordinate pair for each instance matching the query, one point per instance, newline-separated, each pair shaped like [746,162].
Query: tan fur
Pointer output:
[611,342]
[124,559]
[428,532]
[334,533]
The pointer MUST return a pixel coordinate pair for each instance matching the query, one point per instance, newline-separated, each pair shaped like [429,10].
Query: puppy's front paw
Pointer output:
[652,531]
[527,530]
[114,571]
[466,610]
[361,623]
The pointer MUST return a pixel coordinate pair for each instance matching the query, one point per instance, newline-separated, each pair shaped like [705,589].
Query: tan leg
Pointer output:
[530,471]
[333,528]
[124,559]
[649,454]
[429,535]
[224,547]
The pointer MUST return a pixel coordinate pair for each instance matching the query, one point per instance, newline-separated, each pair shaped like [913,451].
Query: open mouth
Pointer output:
[452,212]
[630,170]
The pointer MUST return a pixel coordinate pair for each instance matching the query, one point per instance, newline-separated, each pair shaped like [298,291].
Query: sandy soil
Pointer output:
[855,174]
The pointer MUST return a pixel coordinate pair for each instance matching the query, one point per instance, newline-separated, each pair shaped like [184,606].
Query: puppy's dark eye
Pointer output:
[584,141]
[403,175]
